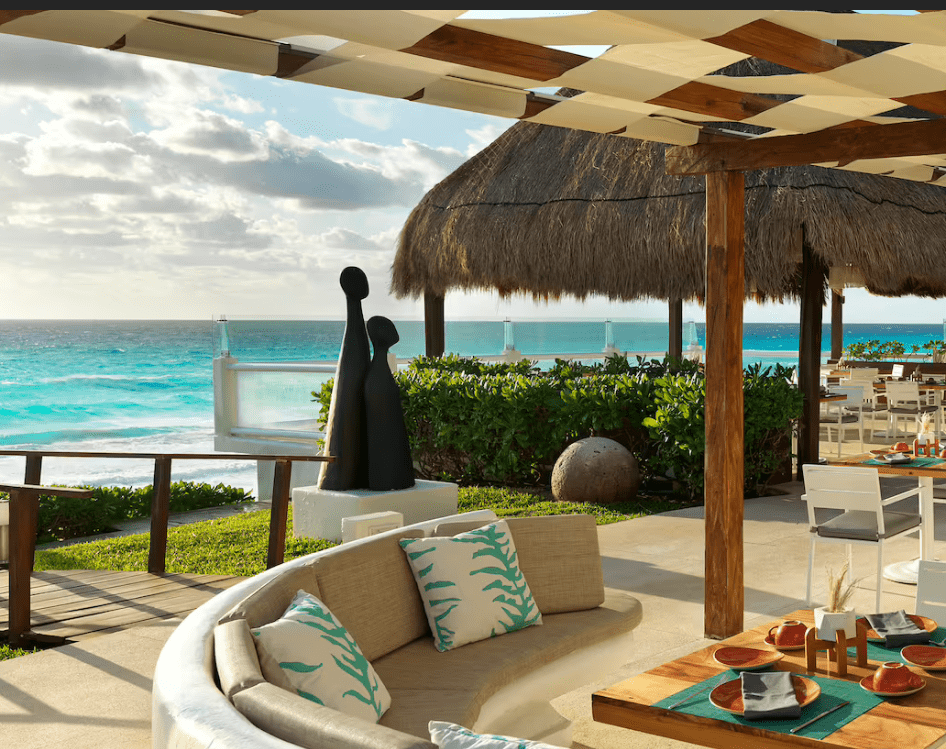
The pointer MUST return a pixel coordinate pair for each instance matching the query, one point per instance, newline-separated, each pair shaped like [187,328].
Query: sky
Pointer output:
[138,188]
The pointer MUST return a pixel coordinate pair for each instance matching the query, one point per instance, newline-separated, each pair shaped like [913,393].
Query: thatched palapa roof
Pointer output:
[547,211]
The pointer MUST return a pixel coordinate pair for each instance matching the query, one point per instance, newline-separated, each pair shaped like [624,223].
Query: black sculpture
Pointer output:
[389,453]
[345,434]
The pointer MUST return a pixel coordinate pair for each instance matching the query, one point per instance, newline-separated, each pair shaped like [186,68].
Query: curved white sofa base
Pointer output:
[189,711]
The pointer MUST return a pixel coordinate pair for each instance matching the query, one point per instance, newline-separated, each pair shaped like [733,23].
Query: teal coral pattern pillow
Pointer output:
[471,585]
[452,736]
[320,660]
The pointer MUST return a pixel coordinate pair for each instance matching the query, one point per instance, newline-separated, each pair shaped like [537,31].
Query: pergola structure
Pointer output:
[653,82]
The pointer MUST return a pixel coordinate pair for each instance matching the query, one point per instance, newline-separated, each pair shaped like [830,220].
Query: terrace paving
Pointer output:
[97,693]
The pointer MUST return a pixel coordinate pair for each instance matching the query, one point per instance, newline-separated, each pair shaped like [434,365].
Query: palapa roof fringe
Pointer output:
[551,212]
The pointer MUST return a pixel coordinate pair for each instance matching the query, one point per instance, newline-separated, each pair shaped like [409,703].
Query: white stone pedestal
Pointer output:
[318,513]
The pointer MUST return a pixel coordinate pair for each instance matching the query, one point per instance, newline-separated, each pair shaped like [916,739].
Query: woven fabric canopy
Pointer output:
[652,82]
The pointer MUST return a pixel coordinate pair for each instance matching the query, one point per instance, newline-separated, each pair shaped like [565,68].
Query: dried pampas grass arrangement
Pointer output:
[839,594]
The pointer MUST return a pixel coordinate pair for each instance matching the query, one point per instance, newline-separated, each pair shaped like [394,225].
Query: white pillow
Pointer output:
[471,585]
[316,655]
[452,736]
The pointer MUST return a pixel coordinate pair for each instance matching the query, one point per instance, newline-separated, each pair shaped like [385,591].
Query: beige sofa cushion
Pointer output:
[304,723]
[455,684]
[370,588]
[269,602]
[235,655]
[558,555]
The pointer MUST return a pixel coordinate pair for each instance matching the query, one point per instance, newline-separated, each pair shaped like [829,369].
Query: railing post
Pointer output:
[22,548]
[22,543]
[279,514]
[160,501]
[34,471]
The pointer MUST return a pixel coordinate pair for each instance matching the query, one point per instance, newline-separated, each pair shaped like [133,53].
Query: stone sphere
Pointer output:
[595,469]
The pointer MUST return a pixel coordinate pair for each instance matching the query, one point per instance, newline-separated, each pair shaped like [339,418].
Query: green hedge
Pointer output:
[501,424]
[61,518]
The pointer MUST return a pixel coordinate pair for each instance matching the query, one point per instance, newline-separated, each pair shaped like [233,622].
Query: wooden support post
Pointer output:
[279,514]
[433,324]
[160,504]
[22,548]
[675,344]
[725,293]
[809,354]
[837,324]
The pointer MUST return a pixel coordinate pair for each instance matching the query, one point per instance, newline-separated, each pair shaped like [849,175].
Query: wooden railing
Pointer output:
[24,508]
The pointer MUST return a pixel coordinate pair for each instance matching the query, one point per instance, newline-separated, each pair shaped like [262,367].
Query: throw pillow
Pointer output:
[452,736]
[471,585]
[320,660]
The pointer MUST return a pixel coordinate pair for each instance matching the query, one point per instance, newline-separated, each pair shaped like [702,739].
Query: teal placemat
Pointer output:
[833,692]
[917,462]
[877,652]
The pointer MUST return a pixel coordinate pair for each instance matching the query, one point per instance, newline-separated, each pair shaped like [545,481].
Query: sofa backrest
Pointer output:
[371,589]
[559,557]
[269,602]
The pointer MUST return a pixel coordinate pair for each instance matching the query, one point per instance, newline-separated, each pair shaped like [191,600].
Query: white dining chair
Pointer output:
[931,590]
[844,415]
[864,518]
[904,402]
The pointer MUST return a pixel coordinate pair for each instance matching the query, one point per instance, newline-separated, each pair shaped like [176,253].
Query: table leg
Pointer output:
[907,572]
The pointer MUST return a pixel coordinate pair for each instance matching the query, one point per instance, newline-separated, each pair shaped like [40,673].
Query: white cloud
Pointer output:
[483,136]
[370,112]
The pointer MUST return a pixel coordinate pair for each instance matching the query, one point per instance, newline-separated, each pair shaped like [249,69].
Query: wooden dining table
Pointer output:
[648,703]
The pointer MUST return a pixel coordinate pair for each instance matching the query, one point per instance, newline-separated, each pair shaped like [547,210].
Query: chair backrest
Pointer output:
[841,488]
[902,392]
[853,393]
[864,373]
[931,590]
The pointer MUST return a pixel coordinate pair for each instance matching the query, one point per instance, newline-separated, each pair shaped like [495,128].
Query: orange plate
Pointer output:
[916,685]
[770,641]
[728,696]
[747,659]
[925,656]
[923,622]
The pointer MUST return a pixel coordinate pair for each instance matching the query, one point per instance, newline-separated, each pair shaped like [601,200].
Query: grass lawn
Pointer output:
[237,545]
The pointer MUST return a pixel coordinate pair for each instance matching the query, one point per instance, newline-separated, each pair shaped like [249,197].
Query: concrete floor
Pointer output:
[97,694]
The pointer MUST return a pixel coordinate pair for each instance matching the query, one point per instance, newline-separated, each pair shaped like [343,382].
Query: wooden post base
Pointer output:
[837,650]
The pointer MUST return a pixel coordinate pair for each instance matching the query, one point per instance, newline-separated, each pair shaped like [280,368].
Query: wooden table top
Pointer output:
[918,720]
[857,461]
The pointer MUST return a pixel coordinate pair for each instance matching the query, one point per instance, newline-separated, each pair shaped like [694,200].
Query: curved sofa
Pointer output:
[209,691]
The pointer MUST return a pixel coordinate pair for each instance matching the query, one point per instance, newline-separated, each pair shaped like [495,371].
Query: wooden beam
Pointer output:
[496,53]
[725,449]
[842,146]
[809,354]
[714,101]
[434,341]
[675,342]
[837,324]
[769,41]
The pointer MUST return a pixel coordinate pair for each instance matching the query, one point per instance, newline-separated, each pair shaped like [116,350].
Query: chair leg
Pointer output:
[880,574]
[811,569]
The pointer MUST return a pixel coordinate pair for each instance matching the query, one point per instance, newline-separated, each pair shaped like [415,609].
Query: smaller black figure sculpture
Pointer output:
[389,453]
[345,435]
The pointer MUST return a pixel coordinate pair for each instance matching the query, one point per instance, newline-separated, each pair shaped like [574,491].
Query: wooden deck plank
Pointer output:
[78,604]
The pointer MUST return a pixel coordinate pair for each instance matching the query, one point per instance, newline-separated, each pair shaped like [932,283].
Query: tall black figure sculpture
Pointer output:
[345,435]
[389,453]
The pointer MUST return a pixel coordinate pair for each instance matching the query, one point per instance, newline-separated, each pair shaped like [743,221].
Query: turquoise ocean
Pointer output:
[148,385]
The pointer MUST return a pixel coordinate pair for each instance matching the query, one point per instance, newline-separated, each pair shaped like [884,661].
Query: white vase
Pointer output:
[829,622]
